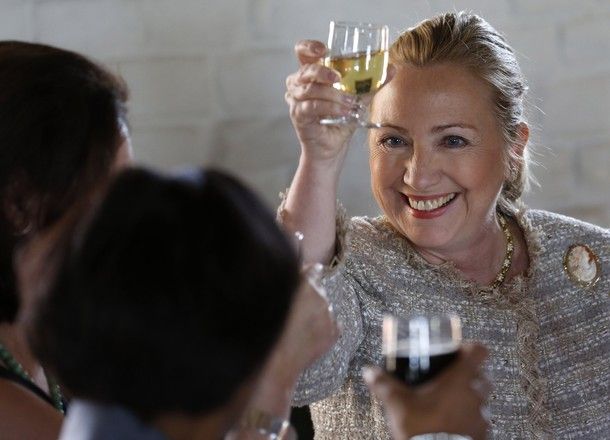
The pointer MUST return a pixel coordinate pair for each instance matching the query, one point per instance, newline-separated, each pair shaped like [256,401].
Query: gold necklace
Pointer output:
[508,256]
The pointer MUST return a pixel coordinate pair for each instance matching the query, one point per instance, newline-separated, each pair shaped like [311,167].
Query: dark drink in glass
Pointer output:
[418,348]
[416,370]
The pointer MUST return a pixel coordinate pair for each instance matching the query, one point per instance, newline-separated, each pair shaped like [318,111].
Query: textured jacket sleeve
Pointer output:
[327,375]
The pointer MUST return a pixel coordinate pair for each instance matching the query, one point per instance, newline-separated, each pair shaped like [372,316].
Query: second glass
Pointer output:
[359,52]
[418,348]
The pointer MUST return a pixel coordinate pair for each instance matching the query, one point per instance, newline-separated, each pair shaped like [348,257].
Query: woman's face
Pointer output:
[437,166]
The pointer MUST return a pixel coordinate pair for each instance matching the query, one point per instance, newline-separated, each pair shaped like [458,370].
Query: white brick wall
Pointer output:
[194,26]
[169,88]
[104,28]
[207,80]
[251,82]
[168,144]
[15,20]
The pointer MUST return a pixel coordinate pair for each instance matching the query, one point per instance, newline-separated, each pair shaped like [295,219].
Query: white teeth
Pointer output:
[430,205]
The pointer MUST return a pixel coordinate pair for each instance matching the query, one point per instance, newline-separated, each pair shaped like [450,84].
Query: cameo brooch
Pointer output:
[582,265]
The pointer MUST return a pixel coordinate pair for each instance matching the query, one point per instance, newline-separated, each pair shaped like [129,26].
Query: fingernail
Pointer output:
[314,274]
[369,375]
[333,76]
[318,50]
[348,100]
[485,413]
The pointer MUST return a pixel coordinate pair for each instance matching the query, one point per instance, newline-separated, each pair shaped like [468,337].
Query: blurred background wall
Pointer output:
[207,81]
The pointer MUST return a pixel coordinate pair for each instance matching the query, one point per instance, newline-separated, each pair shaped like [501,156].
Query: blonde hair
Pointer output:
[468,40]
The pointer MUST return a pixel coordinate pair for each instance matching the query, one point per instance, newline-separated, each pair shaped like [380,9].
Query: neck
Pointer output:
[212,425]
[479,259]
[192,427]
[13,337]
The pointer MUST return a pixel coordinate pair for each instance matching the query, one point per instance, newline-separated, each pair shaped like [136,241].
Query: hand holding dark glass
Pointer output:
[418,348]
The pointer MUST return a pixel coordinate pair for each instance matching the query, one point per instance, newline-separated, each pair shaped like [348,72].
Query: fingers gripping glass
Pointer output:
[418,348]
[359,52]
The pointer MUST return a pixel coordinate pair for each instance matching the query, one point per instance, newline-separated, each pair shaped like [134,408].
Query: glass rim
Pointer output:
[428,316]
[358,24]
[392,343]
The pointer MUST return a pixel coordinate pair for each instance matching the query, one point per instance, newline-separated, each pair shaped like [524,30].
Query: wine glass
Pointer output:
[418,348]
[359,52]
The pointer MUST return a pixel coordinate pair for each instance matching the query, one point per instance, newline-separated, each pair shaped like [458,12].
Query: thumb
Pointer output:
[474,354]
[383,385]
[309,51]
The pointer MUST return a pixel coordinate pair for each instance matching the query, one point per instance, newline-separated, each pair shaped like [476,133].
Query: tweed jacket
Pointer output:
[547,331]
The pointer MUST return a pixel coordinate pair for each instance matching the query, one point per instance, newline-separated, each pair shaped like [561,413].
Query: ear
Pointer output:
[124,154]
[516,154]
[523,135]
[20,205]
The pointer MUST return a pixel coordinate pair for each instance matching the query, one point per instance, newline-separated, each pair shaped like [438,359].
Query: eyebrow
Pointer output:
[395,127]
[435,129]
[454,125]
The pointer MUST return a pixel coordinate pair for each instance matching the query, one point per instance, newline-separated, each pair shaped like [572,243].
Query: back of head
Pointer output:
[61,117]
[172,297]
[467,40]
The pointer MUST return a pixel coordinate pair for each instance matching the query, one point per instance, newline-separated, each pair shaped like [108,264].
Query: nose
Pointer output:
[422,170]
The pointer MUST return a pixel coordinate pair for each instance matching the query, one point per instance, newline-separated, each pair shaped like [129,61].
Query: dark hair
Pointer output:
[60,130]
[172,298]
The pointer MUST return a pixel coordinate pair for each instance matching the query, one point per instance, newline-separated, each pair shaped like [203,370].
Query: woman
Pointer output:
[448,169]
[62,133]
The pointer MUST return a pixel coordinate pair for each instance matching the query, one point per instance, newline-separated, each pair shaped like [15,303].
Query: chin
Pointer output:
[427,234]
[431,241]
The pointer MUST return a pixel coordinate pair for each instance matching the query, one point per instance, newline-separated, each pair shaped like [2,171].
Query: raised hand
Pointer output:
[311,97]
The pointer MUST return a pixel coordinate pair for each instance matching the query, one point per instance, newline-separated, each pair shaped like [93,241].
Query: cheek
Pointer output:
[376,185]
[386,174]
[386,169]
[495,168]
[483,174]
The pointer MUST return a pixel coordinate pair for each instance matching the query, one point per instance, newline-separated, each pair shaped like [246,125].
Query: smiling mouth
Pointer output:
[430,204]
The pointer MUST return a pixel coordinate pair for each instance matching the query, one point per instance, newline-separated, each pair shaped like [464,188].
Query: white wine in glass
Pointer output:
[360,73]
[359,52]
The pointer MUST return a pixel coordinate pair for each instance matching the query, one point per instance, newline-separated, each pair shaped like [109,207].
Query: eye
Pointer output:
[454,142]
[391,142]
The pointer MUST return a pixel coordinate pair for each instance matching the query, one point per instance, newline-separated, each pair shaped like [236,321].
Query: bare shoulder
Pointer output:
[23,415]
